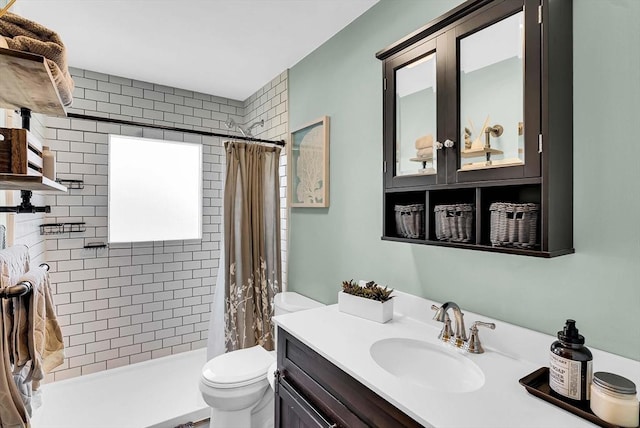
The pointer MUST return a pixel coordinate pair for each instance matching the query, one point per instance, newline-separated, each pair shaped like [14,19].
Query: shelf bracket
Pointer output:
[25,207]
[26,118]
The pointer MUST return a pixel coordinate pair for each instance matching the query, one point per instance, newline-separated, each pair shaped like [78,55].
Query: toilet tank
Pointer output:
[290,301]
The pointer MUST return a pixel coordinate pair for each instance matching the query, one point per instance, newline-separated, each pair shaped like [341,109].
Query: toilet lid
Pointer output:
[238,368]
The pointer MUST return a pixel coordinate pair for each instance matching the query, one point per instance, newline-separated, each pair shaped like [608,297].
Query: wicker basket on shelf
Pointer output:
[410,220]
[454,222]
[514,225]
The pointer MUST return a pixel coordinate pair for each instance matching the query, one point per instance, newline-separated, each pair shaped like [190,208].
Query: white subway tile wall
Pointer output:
[25,227]
[133,302]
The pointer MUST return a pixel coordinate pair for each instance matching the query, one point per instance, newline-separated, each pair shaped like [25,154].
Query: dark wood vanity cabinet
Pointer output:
[313,392]
[478,110]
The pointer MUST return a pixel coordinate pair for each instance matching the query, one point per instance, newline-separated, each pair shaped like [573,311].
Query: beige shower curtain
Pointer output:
[252,244]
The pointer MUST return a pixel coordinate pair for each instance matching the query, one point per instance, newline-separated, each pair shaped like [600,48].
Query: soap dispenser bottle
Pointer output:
[570,364]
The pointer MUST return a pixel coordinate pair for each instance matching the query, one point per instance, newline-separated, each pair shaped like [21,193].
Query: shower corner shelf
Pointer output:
[58,228]
[95,245]
[71,184]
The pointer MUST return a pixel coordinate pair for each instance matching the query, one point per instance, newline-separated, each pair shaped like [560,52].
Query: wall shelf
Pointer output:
[29,182]
[27,83]
[58,228]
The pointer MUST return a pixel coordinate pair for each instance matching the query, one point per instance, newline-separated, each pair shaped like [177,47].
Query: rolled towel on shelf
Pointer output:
[424,142]
[24,35]
[424,153]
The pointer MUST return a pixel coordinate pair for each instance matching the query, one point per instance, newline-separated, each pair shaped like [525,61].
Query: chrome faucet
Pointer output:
[459,339]
[459,333]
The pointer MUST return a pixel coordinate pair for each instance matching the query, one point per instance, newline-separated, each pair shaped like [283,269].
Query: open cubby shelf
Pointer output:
[481,198]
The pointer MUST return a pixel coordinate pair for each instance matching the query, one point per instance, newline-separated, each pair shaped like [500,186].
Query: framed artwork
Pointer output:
[309,165]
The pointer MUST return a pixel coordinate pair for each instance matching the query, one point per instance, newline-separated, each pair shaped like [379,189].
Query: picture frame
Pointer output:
[308,161]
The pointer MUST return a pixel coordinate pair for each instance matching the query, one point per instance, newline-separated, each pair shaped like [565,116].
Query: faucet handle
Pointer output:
[473,345]
[446,333]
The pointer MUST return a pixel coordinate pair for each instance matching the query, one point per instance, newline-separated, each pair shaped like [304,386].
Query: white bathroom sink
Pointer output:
[431,366]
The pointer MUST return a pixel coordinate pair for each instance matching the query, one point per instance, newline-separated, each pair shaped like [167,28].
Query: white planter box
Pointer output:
[365,308]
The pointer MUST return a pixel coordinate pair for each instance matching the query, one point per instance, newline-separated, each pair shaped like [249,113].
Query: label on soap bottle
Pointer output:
[566,377]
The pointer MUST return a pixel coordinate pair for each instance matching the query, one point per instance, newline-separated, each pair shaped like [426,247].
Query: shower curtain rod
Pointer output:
[173,128]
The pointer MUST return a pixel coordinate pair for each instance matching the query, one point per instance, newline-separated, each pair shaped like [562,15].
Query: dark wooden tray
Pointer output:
[537,383]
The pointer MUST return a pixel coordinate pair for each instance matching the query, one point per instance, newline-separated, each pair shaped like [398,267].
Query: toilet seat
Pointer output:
[238,368]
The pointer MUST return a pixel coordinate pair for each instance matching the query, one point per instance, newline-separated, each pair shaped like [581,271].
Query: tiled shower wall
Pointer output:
[134,302]
[24,227]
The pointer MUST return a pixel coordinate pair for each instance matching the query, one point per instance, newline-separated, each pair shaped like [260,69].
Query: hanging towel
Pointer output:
[14,262]
[28,36]
[13,413]
[44,337]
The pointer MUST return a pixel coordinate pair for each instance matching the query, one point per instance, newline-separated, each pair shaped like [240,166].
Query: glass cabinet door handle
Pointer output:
[438,145]
[448,143]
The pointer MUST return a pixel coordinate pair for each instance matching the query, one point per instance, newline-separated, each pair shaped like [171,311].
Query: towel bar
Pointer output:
[20,289]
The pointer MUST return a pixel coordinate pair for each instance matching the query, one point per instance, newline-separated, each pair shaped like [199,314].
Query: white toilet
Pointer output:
[235,384]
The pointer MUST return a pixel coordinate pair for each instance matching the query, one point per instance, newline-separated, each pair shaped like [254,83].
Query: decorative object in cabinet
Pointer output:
[494,64]
[58,228]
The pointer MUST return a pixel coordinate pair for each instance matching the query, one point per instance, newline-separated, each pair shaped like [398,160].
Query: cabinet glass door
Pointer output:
[491,79]
[413,125]
[416,118]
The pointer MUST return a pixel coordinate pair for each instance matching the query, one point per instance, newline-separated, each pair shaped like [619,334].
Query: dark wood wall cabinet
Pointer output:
[478,129]
[313,392]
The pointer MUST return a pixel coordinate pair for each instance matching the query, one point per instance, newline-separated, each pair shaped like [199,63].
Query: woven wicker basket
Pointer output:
[514,225]
[410,220]
[454,222]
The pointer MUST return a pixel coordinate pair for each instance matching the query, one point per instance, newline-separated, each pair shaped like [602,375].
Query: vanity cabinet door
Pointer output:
[331,392]
[293,410]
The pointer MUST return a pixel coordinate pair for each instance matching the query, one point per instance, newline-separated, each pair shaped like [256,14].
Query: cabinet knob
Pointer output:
[448,143]
[438,145]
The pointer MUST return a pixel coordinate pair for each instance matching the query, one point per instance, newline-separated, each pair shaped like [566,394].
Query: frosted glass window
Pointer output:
[155,190]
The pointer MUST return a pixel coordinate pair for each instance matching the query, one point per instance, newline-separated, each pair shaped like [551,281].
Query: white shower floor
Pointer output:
[160,393]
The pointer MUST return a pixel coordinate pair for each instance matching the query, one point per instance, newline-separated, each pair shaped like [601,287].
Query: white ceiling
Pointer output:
[229,48]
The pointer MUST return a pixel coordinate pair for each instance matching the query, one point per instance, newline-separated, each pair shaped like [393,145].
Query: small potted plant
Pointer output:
[366,300]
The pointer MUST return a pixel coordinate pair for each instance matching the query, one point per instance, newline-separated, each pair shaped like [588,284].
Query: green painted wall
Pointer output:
[599,286]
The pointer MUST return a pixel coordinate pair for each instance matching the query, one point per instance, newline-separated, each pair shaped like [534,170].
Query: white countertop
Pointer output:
[511,353]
